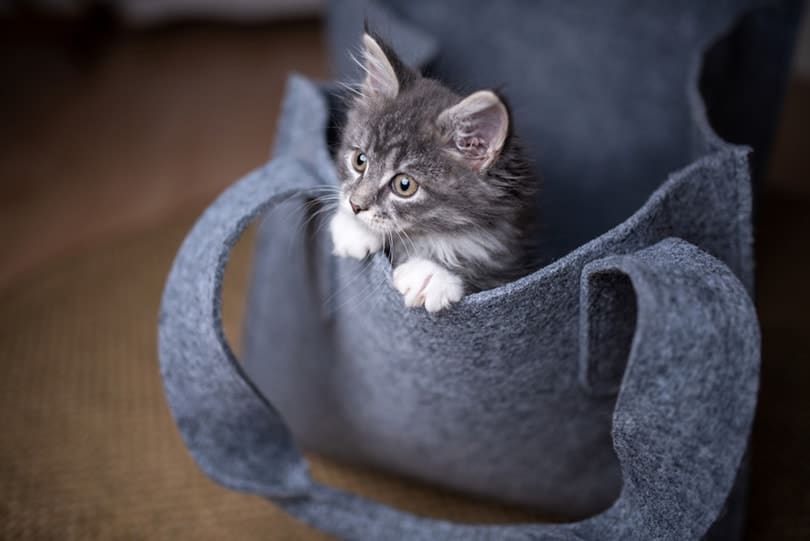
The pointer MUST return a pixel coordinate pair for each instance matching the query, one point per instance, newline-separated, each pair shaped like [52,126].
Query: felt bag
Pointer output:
[616,384]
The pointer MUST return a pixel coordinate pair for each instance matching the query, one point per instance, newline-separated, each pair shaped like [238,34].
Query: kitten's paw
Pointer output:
[351,238]
[423,282]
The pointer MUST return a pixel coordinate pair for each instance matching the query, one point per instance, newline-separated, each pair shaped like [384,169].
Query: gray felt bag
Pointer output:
[617,383]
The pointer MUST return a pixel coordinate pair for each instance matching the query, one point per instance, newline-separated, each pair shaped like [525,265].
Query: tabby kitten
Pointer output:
[436,179]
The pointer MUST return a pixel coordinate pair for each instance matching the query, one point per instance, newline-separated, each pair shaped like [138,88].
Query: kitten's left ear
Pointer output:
[381,66]
[478,128]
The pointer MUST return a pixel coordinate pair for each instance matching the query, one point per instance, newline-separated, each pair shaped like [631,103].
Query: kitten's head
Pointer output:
[414,156]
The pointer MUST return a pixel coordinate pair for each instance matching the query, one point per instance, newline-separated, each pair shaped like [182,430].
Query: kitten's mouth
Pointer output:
[377,225]
[383,227]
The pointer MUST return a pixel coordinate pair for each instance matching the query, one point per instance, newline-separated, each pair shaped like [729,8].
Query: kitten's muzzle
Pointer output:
[357,209]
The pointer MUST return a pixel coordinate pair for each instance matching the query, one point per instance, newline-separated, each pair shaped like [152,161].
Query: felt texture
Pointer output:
[618,382]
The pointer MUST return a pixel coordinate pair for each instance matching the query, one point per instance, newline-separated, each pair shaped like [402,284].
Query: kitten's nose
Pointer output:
[356,208]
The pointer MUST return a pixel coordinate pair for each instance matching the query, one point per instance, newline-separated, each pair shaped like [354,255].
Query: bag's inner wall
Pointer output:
[600,93]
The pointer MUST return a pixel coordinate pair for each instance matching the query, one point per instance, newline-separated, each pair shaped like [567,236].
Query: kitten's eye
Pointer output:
[359,161]
[403,185]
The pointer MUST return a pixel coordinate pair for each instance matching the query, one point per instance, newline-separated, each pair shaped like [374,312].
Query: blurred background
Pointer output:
[120,122]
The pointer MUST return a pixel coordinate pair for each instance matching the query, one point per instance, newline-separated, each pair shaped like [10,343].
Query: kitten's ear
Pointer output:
[478,128]
[381,75]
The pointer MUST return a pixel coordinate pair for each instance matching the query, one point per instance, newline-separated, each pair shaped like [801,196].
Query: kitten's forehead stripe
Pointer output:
[401,145]
[404,166]
[403,150]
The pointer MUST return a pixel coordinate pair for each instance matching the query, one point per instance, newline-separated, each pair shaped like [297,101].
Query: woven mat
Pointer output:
[88,449]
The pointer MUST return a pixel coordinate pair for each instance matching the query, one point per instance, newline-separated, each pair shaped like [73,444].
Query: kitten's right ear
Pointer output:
[384,70]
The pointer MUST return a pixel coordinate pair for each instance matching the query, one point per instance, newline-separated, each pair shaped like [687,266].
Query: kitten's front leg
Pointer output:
[351,238]
[424,282]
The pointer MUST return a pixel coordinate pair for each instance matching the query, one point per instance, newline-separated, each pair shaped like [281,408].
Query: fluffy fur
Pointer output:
[470,224]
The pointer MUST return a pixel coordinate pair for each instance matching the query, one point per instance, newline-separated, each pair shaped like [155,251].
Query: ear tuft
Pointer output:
[381,78]
[478,128]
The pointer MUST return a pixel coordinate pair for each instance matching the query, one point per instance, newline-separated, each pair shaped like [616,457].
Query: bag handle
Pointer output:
[686,403]
[678,440]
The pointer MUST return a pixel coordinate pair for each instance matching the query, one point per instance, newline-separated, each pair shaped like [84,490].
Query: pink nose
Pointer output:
[356,208]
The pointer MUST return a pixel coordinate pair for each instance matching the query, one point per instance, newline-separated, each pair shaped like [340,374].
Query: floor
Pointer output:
[107,131]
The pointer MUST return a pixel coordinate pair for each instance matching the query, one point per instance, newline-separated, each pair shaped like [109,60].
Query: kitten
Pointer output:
[437,179]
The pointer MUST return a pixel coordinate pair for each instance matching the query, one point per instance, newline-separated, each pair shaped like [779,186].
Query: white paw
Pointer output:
[423,282]
[351,238]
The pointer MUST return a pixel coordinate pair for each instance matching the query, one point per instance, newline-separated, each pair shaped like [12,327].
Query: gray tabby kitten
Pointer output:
[435,178]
